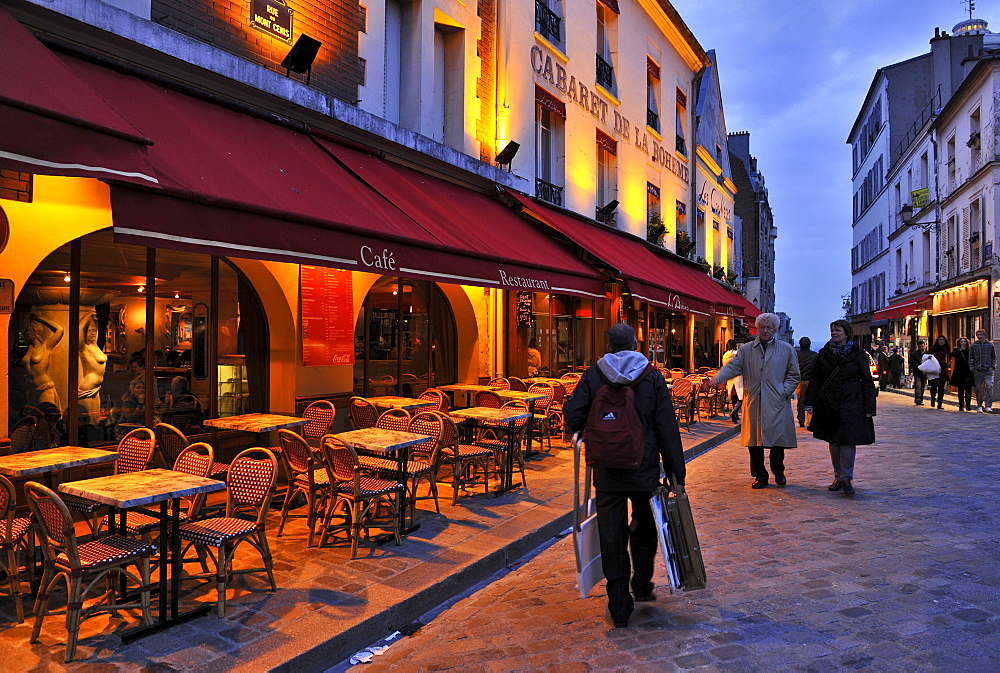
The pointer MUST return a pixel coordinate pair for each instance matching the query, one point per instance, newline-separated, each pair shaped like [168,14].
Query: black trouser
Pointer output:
[919,381]
[757,469]
[964,395]
[937,389]
[618,537]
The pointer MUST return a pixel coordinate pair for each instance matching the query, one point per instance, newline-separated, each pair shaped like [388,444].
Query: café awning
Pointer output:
[52,123]
[234,184]
[898,310]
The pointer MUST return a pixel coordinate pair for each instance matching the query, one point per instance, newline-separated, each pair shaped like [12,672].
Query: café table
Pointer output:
[47,461]
[379,440]
[393,402]
[135,489]
[530,398]
[494,416]
[461,392]
[259,424]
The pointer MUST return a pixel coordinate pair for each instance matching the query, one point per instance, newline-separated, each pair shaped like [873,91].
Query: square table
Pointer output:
[47,461]
[134,489]
[258,424]
[462,391]
[389,441]
[491,415]
[393,402]
[530,398]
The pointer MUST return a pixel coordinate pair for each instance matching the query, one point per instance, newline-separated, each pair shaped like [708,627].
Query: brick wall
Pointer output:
[485,84]
[15,186]
[226,25]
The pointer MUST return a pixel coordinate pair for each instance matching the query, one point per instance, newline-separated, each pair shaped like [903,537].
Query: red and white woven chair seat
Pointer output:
[468,451]
[137,523]
[108,551]
[219,469]
[78,504]
[320,478]
[18,528]
[371,486]
[215,531]
[389,465]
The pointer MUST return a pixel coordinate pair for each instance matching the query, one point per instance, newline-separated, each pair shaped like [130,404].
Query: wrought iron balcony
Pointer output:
[547,22]
[605,73]
[681,145]
[547,191]
[652,120]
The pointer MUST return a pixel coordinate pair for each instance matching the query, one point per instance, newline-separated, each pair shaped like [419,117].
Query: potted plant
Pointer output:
[685,246]
[655,229]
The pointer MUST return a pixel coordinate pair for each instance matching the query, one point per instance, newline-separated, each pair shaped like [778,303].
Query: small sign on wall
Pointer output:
[6,295]
[273,17]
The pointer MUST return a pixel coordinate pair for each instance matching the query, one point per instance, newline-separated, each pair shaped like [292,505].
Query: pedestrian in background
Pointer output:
[621,366]
[919,377]
[961,374]
[734,388]
[983,360]
[896,368]
[807,357]
[841,398]
[770,372]
[941,350]
[883,367]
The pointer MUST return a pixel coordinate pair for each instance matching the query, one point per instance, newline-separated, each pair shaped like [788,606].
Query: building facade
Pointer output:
[757,229]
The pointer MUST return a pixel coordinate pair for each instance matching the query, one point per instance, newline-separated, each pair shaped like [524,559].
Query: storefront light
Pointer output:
[67,278]
[142,288]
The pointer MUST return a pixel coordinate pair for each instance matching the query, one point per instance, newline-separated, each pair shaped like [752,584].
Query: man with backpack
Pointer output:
[622,405]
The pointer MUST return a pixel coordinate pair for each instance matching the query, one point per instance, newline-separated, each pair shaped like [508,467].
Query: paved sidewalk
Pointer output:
[901,577]
[328,606]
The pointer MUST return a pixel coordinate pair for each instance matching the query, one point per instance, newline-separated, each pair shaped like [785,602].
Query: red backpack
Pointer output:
[614,436]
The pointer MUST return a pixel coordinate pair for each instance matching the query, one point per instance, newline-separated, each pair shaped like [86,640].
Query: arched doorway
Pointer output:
[404,339]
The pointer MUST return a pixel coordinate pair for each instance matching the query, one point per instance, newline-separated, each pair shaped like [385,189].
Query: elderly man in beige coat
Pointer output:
[770,372]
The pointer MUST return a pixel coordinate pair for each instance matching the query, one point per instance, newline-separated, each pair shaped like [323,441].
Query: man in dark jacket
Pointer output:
[883,367]
[617,487]
[919,378]
[807,357]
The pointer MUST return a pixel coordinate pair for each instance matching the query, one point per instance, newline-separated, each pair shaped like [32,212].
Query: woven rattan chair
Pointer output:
[500,445]
[517,384]
[465,460]
[22,435]
[543,409]
[306,475]
[320,415]
[499,382]
[14,537]
[171,442]
[358,496]
[488,398]
[443,402]
[362,413]
[683,392]
[250,487]
[82,566]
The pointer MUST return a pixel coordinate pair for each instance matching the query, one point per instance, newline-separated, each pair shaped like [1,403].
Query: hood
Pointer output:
[623,367]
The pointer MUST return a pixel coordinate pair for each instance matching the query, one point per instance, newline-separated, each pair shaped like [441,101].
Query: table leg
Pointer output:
[164,532]
[402,460]
[531,432]
[507,471]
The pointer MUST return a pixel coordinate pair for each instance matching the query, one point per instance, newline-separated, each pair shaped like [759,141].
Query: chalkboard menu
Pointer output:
[523,309]
[327,316]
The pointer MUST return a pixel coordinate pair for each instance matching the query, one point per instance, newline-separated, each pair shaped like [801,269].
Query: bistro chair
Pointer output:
[543,408]
[357,496]
[362,413]
[171,442]
[135,450]
[82,566]
[465,459]
[556,419]
[22,435]
[499,382]
[14,537]
[488,398]
[320,415]
[196,459]
[443,402]
[570,381]
[306,475]
[249,490]
[517,384]
[682,392]
[500,446]
[391,419]
[185,413]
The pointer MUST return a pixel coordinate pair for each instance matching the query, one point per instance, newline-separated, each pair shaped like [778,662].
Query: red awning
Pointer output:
[898,310]
[52,123]
[651,277]
[233,184]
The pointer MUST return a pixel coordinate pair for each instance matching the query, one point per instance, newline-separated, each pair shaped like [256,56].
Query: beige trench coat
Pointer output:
[769,380]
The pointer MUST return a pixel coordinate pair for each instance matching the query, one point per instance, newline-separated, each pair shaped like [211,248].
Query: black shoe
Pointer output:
[648,598]
[780,480]
[848,487]
[735,417]
[621,625]
[759,484]
[835,486]
[919,404]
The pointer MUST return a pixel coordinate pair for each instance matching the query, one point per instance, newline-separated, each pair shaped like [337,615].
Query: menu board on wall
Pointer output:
[523,309]
[327,316]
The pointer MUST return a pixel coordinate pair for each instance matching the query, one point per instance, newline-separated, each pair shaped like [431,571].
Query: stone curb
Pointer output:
[373,629]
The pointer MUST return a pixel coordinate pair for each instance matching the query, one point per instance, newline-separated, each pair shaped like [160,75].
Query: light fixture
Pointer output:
[68,278]
[142,288]
[605,212]
[506,155]
[301,56]
[906,212]
[177,295]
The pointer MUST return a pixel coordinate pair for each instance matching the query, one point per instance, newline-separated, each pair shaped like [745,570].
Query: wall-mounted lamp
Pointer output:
[507,154]
[142,288]
[301,56]
[605,212]
[906,212]
[177,295]
[67,278]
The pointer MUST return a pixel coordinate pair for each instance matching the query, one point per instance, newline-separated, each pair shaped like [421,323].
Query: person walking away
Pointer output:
[734,387]
[919,377]
[883,367]
[896,366]
[961,374]
[770,372]
[841,397]
[982,361]
[807,357]
[942,351]
[616,488]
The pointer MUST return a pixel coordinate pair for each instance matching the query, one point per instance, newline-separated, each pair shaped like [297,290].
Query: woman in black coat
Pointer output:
[942,351]
[841,397]
[961,374]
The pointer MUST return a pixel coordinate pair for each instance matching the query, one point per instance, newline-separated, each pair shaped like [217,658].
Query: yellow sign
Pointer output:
[920,197]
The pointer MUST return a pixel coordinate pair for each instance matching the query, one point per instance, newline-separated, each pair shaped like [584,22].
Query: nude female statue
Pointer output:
[36,360]
[93,363]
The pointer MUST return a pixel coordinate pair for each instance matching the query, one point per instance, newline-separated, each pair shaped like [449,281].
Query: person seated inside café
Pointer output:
[181,407]
[130,413]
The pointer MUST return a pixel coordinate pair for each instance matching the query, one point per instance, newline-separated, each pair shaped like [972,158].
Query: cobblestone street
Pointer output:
[901,577]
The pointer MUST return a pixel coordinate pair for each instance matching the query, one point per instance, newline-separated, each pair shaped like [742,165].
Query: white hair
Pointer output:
[769,318]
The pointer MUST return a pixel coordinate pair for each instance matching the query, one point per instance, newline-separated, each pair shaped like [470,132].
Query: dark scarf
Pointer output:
[840,351]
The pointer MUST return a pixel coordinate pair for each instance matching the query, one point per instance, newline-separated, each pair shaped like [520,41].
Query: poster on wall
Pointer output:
[996,319]
[327,304]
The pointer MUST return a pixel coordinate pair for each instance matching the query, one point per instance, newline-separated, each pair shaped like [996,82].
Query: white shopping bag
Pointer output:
[586,539]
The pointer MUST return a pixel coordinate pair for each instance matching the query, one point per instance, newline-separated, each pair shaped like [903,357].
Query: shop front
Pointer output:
[961,310]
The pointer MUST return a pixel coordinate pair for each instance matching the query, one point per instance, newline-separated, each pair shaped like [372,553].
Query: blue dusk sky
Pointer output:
[794,74]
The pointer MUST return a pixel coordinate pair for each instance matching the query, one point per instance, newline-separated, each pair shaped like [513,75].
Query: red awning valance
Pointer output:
[550,101]
[607,142]
[52,123]
[898,310]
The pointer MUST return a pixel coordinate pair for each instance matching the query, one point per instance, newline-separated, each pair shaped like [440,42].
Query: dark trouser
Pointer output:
[937,391]
[757,469]
[618,537]
[965,395]
[919,381]
[800,403]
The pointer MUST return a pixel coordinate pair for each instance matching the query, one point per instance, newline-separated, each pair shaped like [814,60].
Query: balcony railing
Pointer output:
[652,120]
[547,22]
[681,146]
[605,73]
[547,191]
